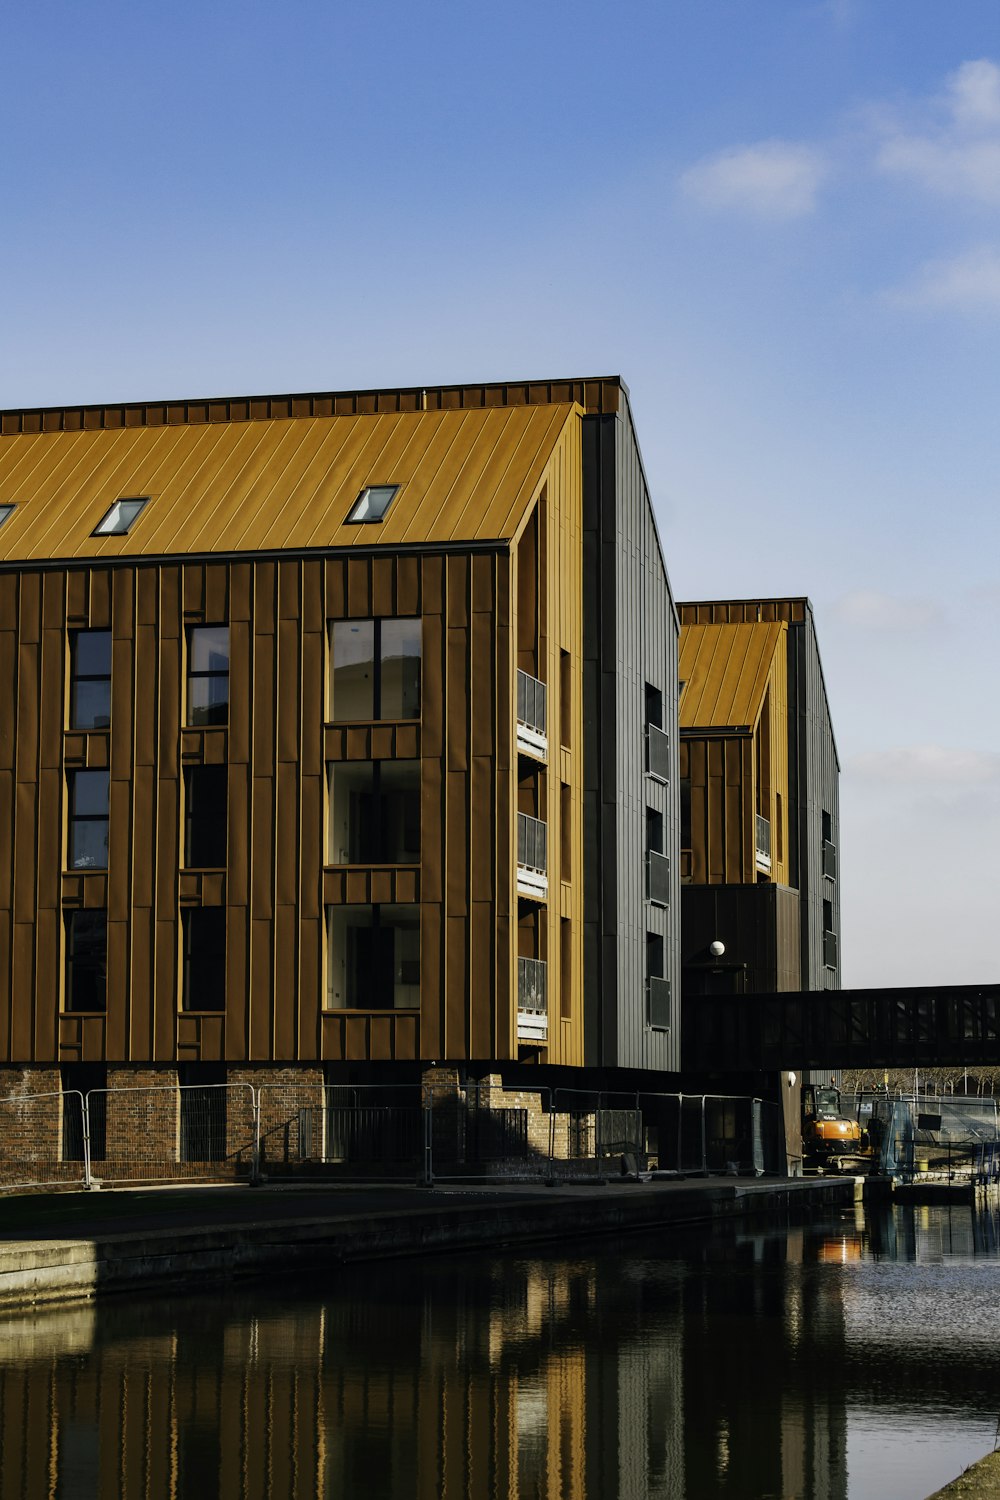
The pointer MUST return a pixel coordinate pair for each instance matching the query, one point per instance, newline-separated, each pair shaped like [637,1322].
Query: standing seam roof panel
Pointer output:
[288,483]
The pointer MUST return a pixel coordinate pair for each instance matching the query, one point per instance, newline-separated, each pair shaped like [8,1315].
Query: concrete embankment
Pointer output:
[981,1481]
[260,1235]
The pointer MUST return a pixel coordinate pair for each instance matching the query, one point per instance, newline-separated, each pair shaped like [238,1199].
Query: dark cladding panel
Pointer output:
[630,639]
[814,773]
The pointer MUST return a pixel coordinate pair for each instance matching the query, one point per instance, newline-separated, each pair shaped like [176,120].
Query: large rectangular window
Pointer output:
[206,790]
[373,957]
[203,942]
[90,679]
[374,812]
[86,982]
[208,674]
[87,824]
[375,669]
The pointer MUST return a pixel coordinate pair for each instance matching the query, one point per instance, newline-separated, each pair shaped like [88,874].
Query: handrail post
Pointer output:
[255,1150]
[552,1137]
[680,1125]
[427,1164]
[88,1180]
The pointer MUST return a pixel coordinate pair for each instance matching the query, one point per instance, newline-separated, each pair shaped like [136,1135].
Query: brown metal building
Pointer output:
[292,756]
[759,789]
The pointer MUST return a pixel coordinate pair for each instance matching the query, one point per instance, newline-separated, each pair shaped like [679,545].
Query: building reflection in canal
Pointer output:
[711,1367]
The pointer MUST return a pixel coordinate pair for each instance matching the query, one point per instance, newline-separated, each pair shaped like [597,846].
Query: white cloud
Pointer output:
[974,91]
[867,609]
[771,179]
[940,765]
[967,282]
[959,156]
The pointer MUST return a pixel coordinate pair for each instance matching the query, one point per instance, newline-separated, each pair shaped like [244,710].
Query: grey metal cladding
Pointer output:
[813,752]
[631,629]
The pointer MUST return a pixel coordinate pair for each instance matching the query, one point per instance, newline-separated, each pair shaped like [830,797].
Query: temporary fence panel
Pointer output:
[42,1140]
[162,1133]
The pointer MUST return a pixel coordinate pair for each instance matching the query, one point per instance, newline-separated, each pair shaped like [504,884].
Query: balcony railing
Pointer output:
[532,856]
[658,878]
[763,843]
[829,859]
[658,1003]
[657,753]
[532,715]
[830,950]
[532,1000]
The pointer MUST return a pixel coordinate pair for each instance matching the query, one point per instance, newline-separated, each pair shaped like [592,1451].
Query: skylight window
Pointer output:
[121,517]
[373,502]
[6,511]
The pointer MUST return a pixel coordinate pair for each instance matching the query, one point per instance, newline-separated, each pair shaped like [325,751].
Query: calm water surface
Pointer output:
[847,1360]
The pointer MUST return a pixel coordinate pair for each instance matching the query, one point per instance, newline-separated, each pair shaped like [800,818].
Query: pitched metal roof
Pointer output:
[282,484]
[725,670]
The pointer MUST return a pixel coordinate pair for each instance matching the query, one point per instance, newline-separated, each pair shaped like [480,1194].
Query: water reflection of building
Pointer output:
[607,1376]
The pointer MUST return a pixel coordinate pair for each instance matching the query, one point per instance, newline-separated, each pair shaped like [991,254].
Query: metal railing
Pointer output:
[532,711]
[658,996]
[657,753]
[532,854]
[763,841]
[532,999]
[658,878]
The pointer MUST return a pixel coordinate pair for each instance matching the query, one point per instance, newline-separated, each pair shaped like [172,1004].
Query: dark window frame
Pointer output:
[132,506]
[73,922]
[194,833]
[379,820]
[380,508]
[75,819]
[378,924]
[196,967]
[78,678]
[209,675]
[6,511]
[378,665]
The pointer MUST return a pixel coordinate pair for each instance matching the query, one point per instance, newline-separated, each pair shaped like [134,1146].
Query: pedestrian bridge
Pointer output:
[936,1025]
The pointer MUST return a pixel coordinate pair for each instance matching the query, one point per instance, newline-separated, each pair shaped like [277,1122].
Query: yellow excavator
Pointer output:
[832,1141]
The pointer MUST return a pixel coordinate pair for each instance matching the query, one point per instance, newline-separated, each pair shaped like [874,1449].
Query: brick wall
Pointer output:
[31,1115]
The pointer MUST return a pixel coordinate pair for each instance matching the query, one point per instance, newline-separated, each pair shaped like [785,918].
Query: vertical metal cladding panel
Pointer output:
[818,779]
[630,638]
[646,651]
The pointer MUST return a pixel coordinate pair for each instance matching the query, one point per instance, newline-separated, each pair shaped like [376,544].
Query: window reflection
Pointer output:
[208,674]
[375,669]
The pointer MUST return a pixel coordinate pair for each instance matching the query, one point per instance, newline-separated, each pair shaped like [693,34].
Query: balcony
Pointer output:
[532,857]
[657,753]
[532,732]
[658,1003]
[830,950]
[532,1000]
[763,844]
[829,860]
[658,878]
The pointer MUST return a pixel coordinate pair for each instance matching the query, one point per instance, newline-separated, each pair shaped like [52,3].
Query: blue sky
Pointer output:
[779,222]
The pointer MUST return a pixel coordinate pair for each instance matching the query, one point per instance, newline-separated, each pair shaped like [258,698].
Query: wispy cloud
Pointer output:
[868,609]
[968,282]
[774,179]
[941,765]
[956,148]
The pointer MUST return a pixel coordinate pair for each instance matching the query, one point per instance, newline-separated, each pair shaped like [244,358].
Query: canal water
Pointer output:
[851,1359]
